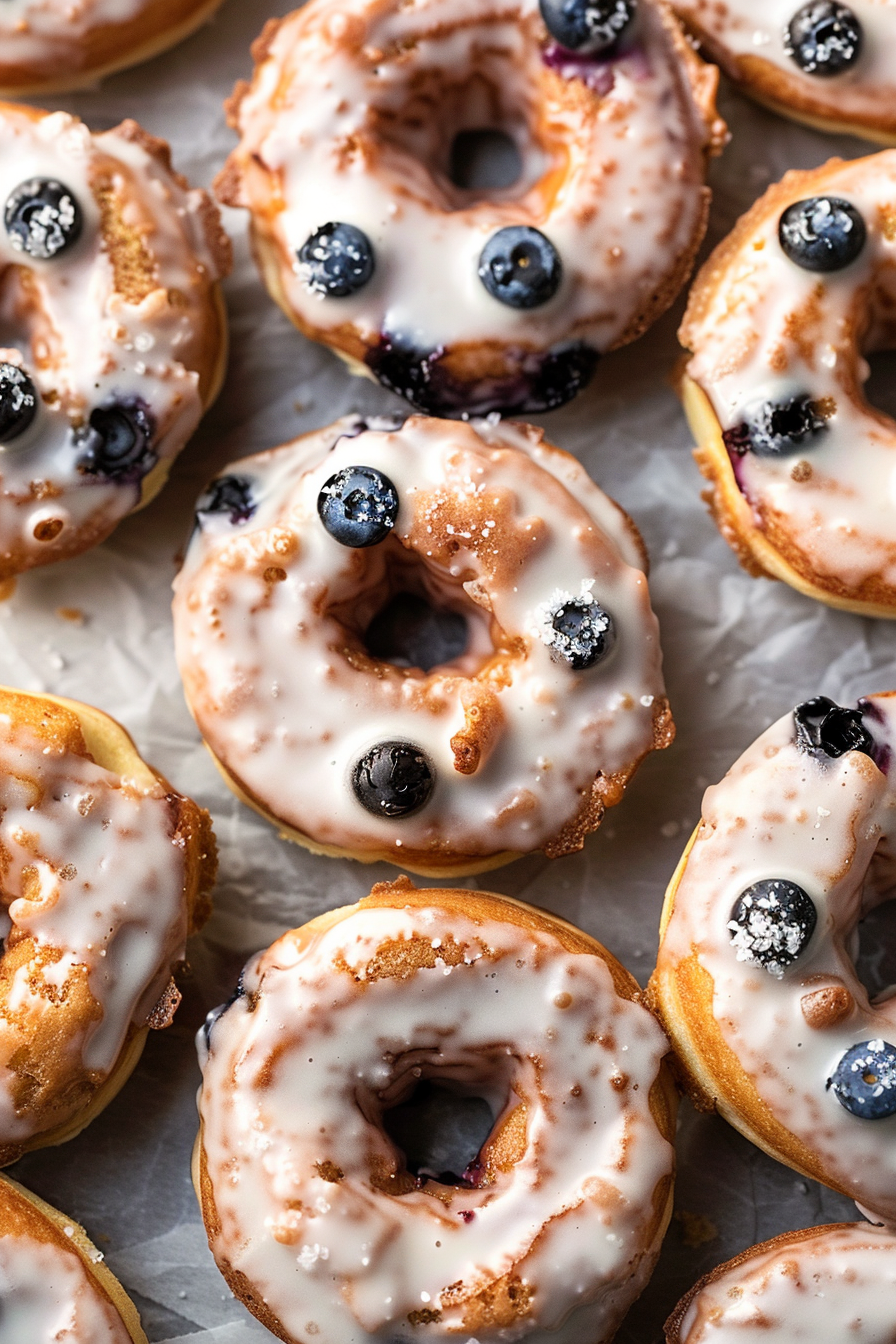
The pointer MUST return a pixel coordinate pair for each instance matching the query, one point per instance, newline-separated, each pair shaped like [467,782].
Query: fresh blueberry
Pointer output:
[777,428]
[587,26]
[864,1081]
[823,233]
[581,633]
[336,261]
[393,779]
[231,495]
[42,218]
[117,442]
[824,38]
[823,726]
[771,924]
[520,267]
[358,506]
[18,402]
[219,1012]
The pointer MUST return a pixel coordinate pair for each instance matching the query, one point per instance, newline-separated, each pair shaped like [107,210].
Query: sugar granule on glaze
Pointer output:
[770,926]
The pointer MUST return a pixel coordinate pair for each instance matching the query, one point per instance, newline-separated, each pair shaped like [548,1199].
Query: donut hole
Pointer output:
[440,1130]
[409,631]
[485,159]
[880,388]
[875,956]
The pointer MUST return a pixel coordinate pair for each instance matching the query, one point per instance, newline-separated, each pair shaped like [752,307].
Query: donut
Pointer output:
[105,871]
[833,1283]
[53,46]
[303,619]
[823,63]
[465,298]
[109,266]
[327,1229]
[53,1283]
[779,321]
[755,979]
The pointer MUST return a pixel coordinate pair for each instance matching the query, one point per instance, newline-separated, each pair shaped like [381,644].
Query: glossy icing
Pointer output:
[829,826]
[47,1296]
[41,33]
[494,523]
[292,1082]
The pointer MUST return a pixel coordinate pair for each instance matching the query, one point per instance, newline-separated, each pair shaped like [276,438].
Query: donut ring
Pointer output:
[105,872]
[755,979]
[362,237]
[801,467]
[312,1213]
[54,1283]
[54,46]
[845,82]
[108,284]
[517,739]
[833,1283]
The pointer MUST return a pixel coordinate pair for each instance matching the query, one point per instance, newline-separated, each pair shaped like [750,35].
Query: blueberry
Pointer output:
[393,779]
[18,402]
[520,267]
[777,428]
[823,233]
[219,1012]
[42,218]
[772,924]
[587,26]
[336,261]
[823,37]
[864,1081]
[358,506]
[117,442]
[581,633]
[823,726]
[231,495]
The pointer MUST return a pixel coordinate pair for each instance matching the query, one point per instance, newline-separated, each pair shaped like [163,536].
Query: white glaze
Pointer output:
[763,328]
[48,1297]
[839,1287]
[46,32]
[288,715]
[780,812]
[283,1087]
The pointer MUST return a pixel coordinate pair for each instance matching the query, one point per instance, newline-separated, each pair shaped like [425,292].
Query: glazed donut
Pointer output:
[105,872]
[53,1283]
[824,63]
[52,46]
[313,1213]
[779,319]
[108,291]
[514,735]
[755,979]
[836,1284]
[469,300]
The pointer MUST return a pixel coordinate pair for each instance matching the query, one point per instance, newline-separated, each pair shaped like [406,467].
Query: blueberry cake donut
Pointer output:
[467,298]
[114,334]
[824,63]
[49,46]
[779,321]
[106,870]
[53,1283]
[318,1217]
[836,1284]
[755,979]
[430,644]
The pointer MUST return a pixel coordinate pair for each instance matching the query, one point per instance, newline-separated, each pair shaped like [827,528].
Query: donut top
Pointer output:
[836,1284]
[31,30]
[312,1202]
[47,1294]
[791,852]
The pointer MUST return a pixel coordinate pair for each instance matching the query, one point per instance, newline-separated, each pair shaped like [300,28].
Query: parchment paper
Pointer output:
[739,652]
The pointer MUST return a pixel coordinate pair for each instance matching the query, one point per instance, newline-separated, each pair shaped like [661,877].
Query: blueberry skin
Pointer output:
[337,260]
[358,506]
[582,634]
[228,494]
[393,779]
[18,402]
[823,38]
[823,727]
[117,442]
[42,218]
[772,923]
[587,26]
[777,428]
[822,233]
[864,1081]
[520,267]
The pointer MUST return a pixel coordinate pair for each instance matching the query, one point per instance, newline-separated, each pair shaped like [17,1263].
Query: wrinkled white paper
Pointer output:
[739,652]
